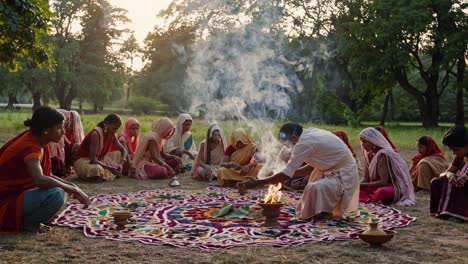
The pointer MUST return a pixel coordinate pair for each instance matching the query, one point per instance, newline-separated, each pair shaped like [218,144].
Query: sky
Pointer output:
[143,14]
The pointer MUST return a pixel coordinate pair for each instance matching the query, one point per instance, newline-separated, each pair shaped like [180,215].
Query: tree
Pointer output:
[65,77]
[396,36]
[129,50]
[100,69]
[10,86]
[167,54]
[23,23]
[36,81]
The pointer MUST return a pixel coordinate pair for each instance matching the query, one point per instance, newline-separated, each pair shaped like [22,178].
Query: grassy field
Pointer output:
[428,240]
[404,135]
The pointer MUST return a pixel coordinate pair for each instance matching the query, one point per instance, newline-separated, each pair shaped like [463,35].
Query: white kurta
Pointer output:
[334,184]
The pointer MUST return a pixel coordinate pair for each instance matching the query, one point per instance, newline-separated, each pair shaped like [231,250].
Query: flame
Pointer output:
[274,194]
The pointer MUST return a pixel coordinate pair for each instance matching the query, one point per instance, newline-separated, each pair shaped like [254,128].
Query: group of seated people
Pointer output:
[322,163]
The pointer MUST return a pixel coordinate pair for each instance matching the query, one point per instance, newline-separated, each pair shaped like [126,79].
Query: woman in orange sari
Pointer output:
[428,164]
[91,160]
[239,160]
[29,194]
[151,159]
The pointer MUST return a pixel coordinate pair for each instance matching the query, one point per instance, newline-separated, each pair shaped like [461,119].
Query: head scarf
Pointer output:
[77,127]
[209,134]
[132,141]
[404,193]
[384,133]
[160,128]
[178,137]
[342,135]
[432,150]
[240,135]
[245,154]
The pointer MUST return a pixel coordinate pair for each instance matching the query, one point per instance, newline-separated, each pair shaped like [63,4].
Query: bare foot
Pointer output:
[323,216]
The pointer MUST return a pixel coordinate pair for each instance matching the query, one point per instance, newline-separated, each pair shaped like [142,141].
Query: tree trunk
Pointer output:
[430,114]
[11,100]
[460,116]
[36,100]
[428,102]
[385,108]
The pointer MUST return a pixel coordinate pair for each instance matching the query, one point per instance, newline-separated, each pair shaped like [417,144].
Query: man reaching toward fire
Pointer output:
[333,187]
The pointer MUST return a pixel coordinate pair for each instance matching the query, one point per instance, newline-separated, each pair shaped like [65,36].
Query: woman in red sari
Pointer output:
[449,193]
[29,194]
[91,161]
[428,164]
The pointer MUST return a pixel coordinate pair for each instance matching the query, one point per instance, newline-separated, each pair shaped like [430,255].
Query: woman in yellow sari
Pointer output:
[238,161]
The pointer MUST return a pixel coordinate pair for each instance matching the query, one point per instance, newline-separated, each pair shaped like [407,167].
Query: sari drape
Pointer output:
[142,156]
[211,158]
[399,172]
[15,178]
[82,165]
[242,156]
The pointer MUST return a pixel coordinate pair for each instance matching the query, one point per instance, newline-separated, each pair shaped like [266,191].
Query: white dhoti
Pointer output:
[333,191]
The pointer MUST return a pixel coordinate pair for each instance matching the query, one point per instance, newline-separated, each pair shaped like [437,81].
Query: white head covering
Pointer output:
[178,136]
[211,130]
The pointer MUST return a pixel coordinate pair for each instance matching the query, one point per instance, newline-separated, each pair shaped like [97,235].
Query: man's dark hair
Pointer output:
[288,130]
[456,137]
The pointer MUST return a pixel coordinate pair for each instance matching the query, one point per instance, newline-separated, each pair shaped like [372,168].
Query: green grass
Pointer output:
[404,135]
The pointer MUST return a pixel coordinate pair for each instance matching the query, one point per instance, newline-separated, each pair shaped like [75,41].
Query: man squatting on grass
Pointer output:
[333,186]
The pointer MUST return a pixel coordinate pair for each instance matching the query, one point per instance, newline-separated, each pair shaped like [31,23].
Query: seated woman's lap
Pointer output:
[385,193]
[156,172]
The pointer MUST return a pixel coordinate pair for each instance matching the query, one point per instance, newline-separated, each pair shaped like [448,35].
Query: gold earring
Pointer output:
[105,129]
[45,132]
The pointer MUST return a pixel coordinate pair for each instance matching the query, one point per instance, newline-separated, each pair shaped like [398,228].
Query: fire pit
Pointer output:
[271,211]
[271,206]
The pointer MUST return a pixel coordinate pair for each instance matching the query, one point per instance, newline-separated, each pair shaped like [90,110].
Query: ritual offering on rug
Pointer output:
[121,219]
[229,211]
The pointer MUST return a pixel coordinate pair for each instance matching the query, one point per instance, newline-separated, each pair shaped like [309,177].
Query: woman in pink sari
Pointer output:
[150,158]
[91,160]
[61,153]
[387,177]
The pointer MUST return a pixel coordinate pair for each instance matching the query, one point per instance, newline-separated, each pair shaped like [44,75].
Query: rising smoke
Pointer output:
[243,75]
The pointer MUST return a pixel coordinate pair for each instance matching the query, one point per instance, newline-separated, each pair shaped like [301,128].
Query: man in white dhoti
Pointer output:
[333,187]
